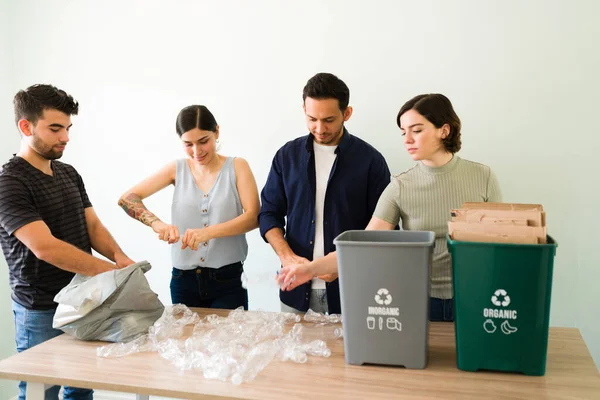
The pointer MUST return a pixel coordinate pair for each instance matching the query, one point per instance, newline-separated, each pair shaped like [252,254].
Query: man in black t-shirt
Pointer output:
[48,227]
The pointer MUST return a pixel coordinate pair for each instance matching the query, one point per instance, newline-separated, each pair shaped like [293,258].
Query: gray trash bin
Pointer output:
[384,289]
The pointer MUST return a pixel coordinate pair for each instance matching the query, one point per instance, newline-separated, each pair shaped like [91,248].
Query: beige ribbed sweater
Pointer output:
[421,199]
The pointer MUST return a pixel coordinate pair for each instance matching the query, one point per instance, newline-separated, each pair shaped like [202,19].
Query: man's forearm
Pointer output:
[103,242]
[275,238]
[68,257]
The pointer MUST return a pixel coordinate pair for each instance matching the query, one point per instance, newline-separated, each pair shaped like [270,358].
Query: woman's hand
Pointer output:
[193,238]
[167,233]
[292,276]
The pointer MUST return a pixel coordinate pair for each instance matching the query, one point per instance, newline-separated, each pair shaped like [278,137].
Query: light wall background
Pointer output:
[9,144]
[522,75]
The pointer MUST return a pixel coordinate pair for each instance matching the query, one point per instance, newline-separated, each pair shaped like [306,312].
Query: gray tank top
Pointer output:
[192,208]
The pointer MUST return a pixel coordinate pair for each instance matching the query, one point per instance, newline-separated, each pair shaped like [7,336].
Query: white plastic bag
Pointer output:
[114,306]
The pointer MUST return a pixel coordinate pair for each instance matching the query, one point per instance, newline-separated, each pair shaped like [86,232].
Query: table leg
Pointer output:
[36,391]
[138,397]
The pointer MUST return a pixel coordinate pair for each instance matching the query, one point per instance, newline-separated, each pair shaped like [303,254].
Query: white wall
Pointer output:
[9,138]
[521,76]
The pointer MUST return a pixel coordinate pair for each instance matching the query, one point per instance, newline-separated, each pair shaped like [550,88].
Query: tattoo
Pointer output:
[135,208]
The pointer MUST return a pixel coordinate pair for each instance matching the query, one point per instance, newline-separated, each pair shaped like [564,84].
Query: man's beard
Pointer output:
[44,150]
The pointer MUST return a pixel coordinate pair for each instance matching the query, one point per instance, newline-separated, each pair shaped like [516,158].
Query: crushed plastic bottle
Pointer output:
[262,279]
[233,348]
[312,316]
[325,331]
[169,325]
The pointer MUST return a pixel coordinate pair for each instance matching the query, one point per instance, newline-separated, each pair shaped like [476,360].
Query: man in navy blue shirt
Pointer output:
[323,184]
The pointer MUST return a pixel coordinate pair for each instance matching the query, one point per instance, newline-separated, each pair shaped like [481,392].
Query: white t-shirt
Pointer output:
[324,159]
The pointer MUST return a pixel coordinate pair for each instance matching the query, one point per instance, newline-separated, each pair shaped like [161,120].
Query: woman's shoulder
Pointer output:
[239,163]
[178,162]
[405,175]
[473,167]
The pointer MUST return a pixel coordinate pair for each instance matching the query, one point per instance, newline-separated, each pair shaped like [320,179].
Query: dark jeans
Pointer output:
[33,327]
[210,287]
[441,310]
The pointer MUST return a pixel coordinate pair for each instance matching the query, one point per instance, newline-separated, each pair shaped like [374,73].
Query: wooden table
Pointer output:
[570,373]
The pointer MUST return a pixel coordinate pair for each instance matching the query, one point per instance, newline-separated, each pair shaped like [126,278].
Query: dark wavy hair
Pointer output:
[438,110]
[31,102]
[327,86]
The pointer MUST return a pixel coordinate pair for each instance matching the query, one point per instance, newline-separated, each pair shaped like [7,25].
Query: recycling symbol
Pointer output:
[505,298]
[383,296]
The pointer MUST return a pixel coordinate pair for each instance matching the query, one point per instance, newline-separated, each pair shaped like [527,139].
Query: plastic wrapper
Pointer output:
[113,306]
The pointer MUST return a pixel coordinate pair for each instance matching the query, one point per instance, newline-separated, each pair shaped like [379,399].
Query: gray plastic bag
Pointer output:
[114,306]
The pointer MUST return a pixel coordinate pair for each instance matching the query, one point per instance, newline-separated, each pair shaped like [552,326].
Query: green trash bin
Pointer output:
[502,305]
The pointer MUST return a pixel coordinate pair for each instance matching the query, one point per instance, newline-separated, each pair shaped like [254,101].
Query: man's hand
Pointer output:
[122,261]
[292,259]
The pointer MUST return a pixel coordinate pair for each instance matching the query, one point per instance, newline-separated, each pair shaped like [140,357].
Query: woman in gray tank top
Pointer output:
[215,202]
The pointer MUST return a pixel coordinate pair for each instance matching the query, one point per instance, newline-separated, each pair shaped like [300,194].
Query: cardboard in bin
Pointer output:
[503,217]
[492,238]
[536,233]
[499,223]
[503,206]
[384,290]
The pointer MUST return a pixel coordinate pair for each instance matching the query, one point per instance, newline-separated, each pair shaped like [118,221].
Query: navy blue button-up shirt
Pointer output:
[358,177]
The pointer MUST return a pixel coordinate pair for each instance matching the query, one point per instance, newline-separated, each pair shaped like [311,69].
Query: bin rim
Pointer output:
[550,242]
[430,242]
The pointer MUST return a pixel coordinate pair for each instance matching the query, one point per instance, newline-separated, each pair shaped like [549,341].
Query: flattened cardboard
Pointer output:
[498,216]
[493,238]
[538,232]
[502,206]
[502,221]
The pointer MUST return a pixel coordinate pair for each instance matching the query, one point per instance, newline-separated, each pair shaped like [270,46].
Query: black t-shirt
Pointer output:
[28,195]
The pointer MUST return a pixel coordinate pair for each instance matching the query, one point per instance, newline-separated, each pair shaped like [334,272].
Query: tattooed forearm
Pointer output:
[134,207]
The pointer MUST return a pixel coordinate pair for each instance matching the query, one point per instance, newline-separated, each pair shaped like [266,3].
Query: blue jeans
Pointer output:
[33,327]
[210,287]
[441,310]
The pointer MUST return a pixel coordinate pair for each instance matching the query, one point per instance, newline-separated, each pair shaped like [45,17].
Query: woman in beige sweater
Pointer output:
[421,197]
